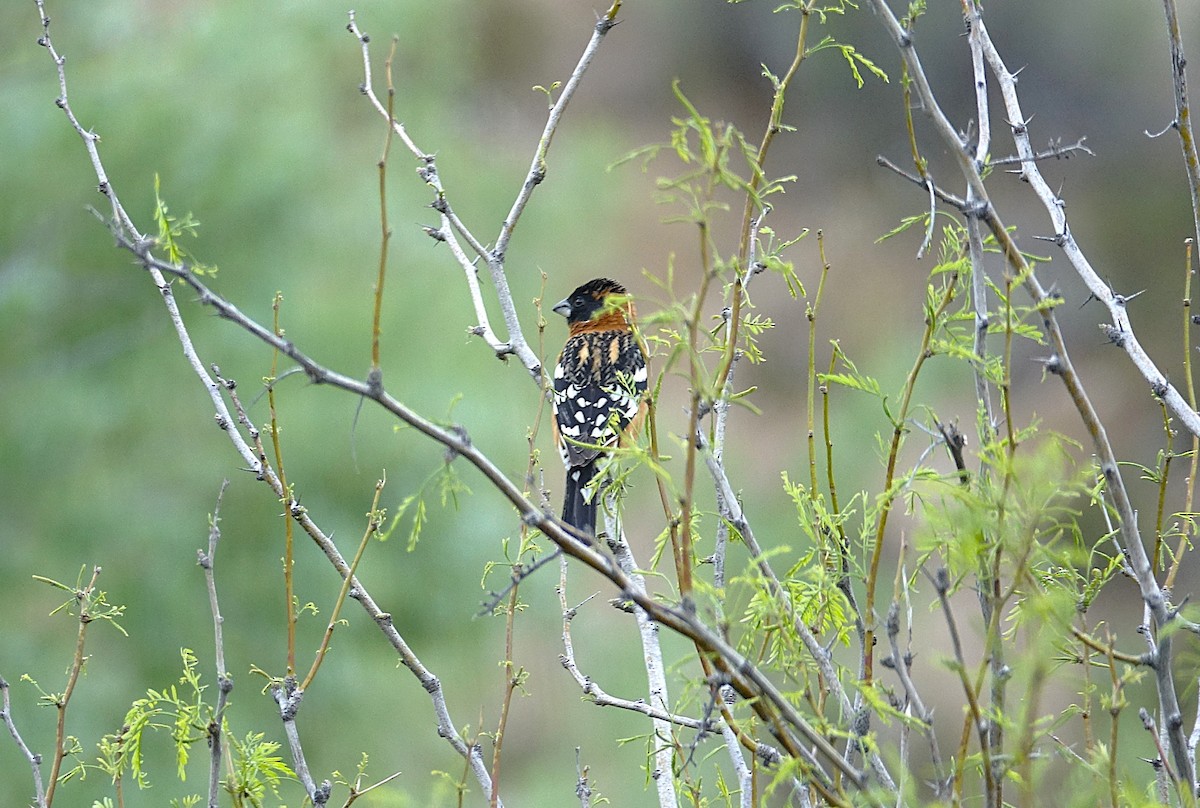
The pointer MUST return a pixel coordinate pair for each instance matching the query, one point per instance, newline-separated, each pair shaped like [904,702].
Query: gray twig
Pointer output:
[35,760]
[288,697]
[215,727]
[664,742]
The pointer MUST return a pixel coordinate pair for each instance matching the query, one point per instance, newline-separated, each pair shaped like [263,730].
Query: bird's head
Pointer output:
[595,302]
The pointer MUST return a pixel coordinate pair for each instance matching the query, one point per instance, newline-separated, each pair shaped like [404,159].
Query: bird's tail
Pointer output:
[578,510]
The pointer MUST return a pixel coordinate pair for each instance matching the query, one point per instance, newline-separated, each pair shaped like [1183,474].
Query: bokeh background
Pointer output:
[250,114]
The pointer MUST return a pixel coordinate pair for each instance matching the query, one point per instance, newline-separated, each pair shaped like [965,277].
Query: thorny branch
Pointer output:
[1061,365]
[1183,111]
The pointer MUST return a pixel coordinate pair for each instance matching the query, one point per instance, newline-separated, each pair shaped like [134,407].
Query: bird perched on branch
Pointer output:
[599,389]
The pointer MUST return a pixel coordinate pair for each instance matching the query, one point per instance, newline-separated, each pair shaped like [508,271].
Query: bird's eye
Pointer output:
[579,301]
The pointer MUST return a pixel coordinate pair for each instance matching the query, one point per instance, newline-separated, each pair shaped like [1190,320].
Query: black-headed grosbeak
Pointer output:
[599,389]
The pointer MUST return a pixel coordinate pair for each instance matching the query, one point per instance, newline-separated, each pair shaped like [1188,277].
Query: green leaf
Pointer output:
[852,378]
[171,230]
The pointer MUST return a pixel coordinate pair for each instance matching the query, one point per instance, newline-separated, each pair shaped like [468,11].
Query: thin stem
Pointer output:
[683,558]
[971,691]
[593,692]
[1116,704]
[774,127]
[288,531]
[810,314]
[1163,473]
[1189,525]
[902,664]
[933,319]
[83,599]
[215,729]
[512,678]
[919,163]
[384,228]
[374,518]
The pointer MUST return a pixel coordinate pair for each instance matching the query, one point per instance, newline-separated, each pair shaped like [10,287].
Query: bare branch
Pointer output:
[35,760]
[288,697]
[900,663]
[940,193]
[588,685]
[664,750]
[224,679]
[1183,112]
[583,789]
[941,582]
[452,226]
[1055,151]
[538,167]
[1055,208]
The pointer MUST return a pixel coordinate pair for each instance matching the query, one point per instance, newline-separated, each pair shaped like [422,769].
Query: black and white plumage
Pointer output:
[599,389]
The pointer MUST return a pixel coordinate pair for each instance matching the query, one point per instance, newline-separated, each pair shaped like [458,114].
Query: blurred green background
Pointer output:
[251,116]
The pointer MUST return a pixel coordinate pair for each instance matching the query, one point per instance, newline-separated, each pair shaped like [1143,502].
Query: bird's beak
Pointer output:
[563,307]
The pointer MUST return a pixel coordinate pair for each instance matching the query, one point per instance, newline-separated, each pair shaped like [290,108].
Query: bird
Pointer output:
[599,386]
